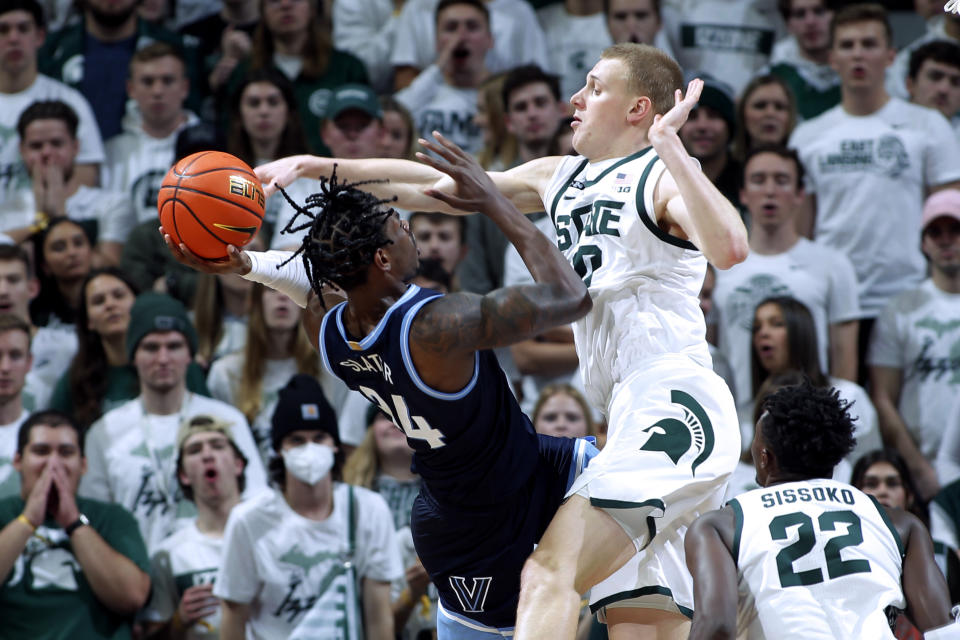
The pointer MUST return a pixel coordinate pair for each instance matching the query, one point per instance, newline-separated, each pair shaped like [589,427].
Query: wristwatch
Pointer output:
[76,524]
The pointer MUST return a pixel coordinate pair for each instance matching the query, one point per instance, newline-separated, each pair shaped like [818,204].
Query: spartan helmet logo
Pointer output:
[676,437]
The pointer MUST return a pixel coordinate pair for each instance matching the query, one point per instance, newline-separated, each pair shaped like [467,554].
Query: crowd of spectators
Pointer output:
[153,400]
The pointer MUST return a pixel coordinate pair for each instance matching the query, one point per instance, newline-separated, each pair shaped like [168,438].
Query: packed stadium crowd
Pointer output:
[177,459]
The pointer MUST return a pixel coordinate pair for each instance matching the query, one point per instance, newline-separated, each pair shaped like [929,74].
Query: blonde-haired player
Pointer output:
[638,219]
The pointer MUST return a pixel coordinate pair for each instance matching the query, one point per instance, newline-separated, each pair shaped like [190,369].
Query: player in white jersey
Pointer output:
[805,557]
[638,219]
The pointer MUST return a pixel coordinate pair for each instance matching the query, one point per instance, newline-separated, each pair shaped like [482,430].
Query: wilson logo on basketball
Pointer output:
[245,188]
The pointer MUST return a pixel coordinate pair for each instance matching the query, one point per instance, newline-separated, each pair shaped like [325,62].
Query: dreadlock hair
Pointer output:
[345,230]
[809,428]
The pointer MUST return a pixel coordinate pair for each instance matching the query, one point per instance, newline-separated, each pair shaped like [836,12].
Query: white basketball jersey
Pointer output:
[817,559]
[644,282]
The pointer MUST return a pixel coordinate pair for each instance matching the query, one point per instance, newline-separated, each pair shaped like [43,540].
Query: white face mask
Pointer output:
[309,462]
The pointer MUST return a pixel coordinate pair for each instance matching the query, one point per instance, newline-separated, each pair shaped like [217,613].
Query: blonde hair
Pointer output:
[564,389]
[363,464]
[207,316]
[249,392]
[650,72]
[503,145]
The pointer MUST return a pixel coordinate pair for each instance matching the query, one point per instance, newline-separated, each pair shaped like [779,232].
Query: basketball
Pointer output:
[211,199]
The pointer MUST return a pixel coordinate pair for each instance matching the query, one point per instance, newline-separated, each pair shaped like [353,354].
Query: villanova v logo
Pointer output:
[473,599]
[676,437]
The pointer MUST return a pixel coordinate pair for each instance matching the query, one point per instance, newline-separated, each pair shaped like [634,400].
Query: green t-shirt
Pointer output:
[811,101]
[122,385]
[47,594]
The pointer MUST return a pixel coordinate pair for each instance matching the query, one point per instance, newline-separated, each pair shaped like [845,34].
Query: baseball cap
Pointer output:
[353,96]
[942,203]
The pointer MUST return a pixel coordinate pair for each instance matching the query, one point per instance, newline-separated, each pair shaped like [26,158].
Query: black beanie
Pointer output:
[302,405]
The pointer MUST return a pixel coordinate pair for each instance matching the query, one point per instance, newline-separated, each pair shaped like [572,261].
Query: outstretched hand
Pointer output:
[237,261]
[474,190]
[279,173]
[670,122]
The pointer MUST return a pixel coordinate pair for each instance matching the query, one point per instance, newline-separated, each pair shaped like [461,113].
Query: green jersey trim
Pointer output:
[647,218]
[887,521]
[737,529]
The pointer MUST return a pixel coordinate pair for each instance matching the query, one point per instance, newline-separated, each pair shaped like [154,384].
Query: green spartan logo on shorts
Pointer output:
[676,437]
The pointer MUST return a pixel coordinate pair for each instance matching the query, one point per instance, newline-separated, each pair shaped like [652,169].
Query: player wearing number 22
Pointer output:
[813,559]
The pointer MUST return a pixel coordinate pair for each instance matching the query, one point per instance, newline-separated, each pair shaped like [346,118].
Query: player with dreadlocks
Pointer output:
[813,558]
[490,483]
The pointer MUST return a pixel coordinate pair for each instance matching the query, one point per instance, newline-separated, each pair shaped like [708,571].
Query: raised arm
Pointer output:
[409,180]
[707,544]
[685,199]
[448,331]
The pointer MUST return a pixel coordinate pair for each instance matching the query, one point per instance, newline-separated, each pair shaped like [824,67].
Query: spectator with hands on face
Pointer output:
[71,567]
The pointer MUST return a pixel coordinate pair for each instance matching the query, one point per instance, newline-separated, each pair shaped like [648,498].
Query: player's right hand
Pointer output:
[237,261]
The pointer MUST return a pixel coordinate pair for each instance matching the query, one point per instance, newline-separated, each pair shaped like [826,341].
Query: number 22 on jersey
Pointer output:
[807,536]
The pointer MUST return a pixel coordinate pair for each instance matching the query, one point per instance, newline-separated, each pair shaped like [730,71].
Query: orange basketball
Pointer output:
[211,199]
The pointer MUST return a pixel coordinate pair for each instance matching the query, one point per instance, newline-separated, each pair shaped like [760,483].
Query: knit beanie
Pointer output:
[153,311]
[302,405]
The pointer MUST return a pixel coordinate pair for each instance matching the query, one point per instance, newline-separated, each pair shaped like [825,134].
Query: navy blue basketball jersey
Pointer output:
[473,447]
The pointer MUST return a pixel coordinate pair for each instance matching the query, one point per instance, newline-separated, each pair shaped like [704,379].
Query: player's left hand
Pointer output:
[670,122]
[475,190]
[236,261]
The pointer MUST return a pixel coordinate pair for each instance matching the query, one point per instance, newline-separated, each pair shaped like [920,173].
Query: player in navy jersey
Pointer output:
[490,483]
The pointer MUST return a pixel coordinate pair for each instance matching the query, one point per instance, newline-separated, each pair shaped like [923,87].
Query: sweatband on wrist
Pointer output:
[289,279]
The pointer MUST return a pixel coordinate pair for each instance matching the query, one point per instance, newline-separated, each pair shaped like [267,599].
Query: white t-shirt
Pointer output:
[111,210]
[819,277]
[919,333]
[438,106]
[9,478]
[869,175]
[53,348]
[13,175]
[574,44]
[517,37]
[137,164]
[896,80]
[187,558]
[367,29]
[132,459]
[224,384]
[292,571]
[729,39]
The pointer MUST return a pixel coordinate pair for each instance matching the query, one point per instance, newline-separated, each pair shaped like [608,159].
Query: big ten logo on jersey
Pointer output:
[368,363]
[242,187]
[414,427]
